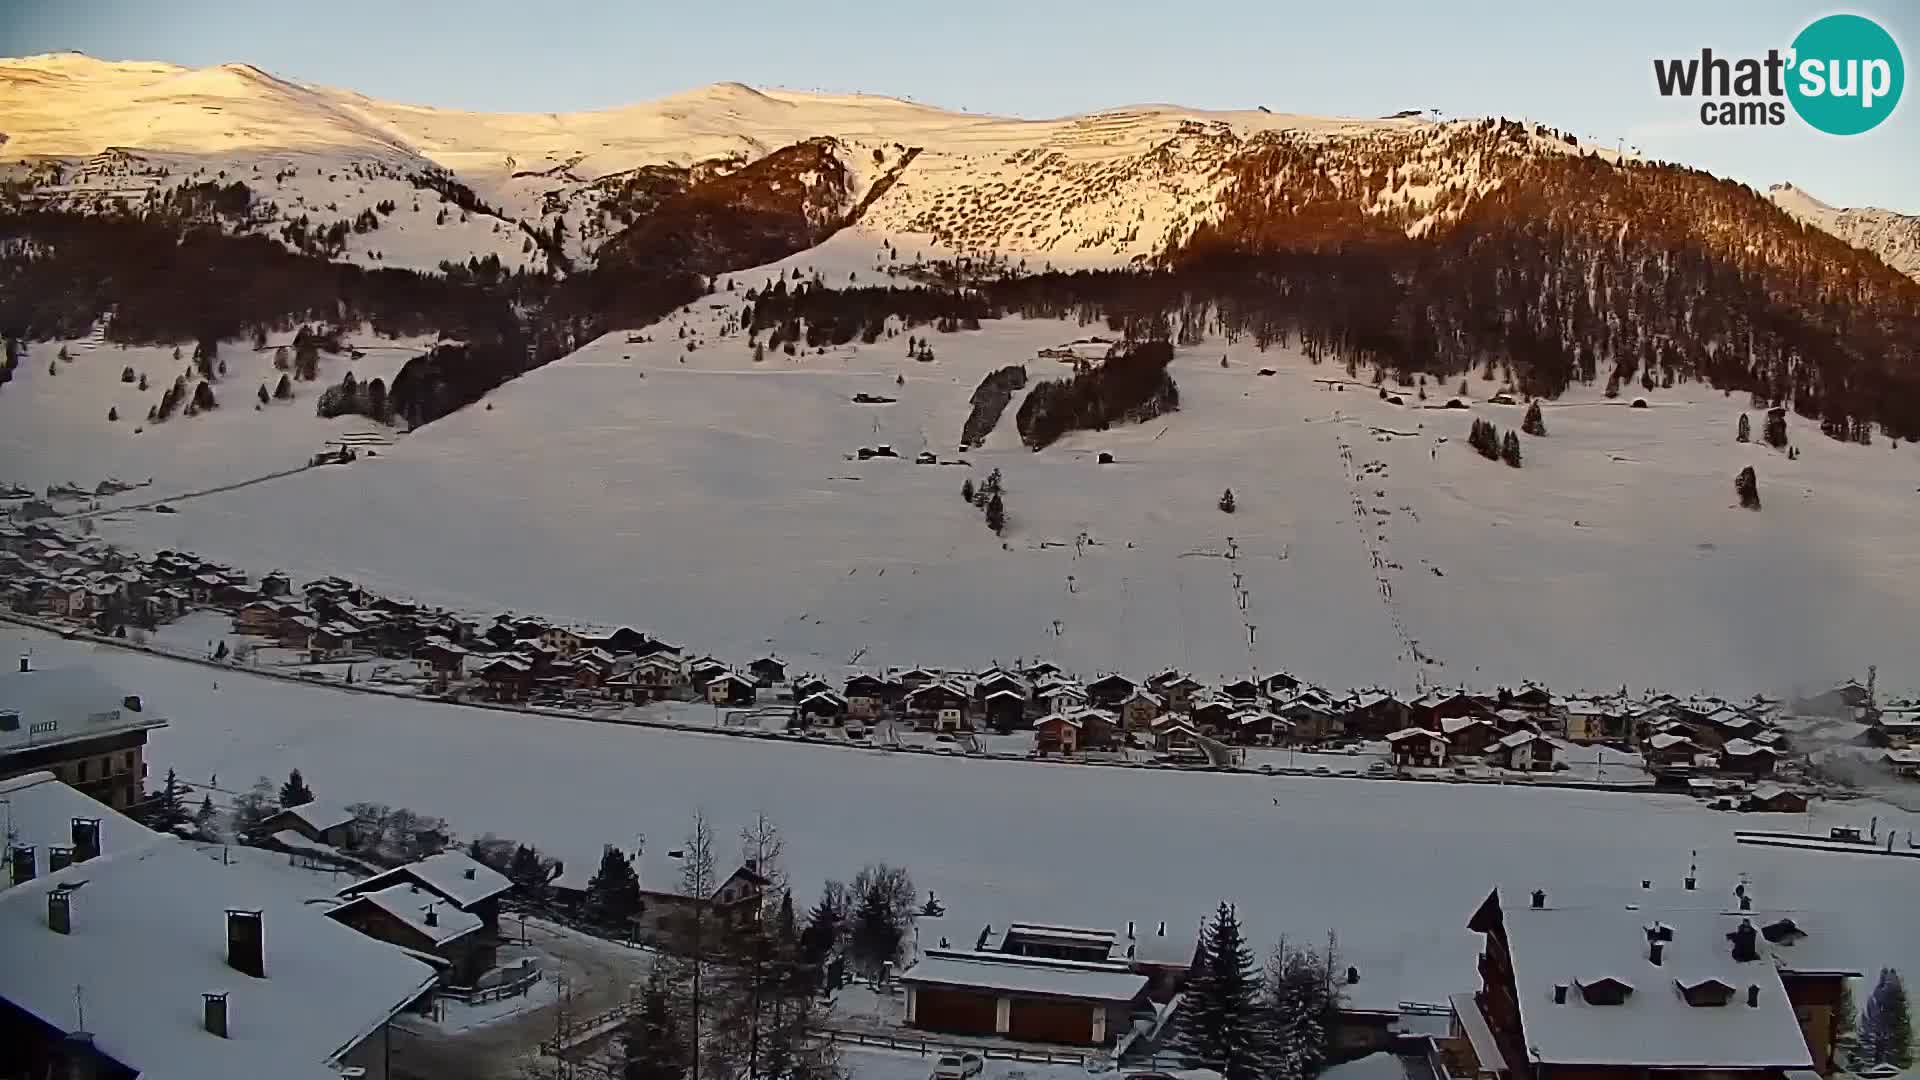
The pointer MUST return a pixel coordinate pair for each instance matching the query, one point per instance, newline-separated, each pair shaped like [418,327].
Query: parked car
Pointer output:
[1322,770]
[1879,1072]
[957,1066]
[1378,768]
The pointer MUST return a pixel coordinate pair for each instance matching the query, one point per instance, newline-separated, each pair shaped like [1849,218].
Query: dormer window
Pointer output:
[1782,932]
[1605,991]
[1705,993]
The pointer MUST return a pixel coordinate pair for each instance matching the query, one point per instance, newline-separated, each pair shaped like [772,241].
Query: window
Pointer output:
[126,761]
[84,763]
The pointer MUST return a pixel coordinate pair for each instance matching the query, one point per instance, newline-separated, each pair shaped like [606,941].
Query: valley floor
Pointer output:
[1395,869]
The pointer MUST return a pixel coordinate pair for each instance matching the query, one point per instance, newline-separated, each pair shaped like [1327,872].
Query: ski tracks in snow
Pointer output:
[1371,521]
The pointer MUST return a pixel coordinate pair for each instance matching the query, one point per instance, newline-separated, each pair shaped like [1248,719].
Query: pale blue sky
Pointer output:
[1587,68]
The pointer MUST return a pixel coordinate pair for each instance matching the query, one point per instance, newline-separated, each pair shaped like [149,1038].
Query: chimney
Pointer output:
[26,664]
[22,860]
[1646,883]
[86,838]
[1163,928]
[1353,975]
[214,1010]
[433,917]
[1654,950]
[60,910]
[469,874]
[1559,993]
[1746,902]
[1691,882]
[1745,945]
[59,858]
[1753,995]
[82,1058]
[1129,929]
[1539,899]
[246,943]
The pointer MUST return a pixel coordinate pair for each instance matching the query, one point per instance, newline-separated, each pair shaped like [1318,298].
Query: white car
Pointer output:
[1879,1072]
[958,1066]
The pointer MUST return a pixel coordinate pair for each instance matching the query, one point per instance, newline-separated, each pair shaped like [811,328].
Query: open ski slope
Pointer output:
[717,502]
[1394,868]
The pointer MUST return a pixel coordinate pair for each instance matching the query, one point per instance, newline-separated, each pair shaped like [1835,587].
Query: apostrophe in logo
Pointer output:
[1846,74]
[1842,75]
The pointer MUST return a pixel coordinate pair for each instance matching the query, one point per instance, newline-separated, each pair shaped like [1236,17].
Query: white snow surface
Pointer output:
[711,500]
[1894,236]
[1395,868]
[1111,185]
[39,812]
[327,986]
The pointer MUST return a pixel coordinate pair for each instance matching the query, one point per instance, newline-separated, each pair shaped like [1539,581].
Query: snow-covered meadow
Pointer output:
[717,502]
[1394,868]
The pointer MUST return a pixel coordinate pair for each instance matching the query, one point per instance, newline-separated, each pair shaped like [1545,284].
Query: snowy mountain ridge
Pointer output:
[1108,187]
[1893,236]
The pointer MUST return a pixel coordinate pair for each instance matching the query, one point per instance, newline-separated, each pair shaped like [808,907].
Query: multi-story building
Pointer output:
[72,722]
[1655,985]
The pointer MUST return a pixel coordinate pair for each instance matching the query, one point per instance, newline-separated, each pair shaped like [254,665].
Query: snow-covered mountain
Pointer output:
[1109,187]
[1105,187]
[1893,236]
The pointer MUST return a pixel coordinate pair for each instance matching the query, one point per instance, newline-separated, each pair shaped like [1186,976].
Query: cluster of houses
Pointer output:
[1685,742]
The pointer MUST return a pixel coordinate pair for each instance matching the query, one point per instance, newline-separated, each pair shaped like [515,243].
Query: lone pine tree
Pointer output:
[1227,505]
[1510,450]
[1744,433]
[1747,486]
[1220,1020]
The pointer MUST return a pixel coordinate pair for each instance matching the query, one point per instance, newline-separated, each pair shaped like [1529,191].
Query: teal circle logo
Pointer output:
[1846,76]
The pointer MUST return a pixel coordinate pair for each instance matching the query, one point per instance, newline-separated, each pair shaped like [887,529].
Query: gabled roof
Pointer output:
[316,815]
[1743,748]
[452,874]
[1068,719]
[1405,734]
[409,904]
[149,938]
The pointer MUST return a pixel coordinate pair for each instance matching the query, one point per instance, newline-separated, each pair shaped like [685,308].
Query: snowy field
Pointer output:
[54,428]
[1395,868]
[714,501]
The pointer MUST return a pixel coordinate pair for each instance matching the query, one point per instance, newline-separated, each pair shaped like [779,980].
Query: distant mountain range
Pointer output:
[1402,244]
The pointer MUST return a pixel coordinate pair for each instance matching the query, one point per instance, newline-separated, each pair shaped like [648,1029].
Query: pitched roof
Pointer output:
[410,904]
[1654,1026]
[77,699]
[316,815]
[452,874]
[40,811]
[1413,732]
[149,938]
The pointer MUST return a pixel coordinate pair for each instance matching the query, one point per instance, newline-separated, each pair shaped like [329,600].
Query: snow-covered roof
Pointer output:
[1520,738]
[1453,724]
[1743,748]
[410,904]
[39,812]
[452,874]
[149,937]
[1578,947]
[1667,739]
[318,816]
[1405,734]
[1089,982]
[78,701]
